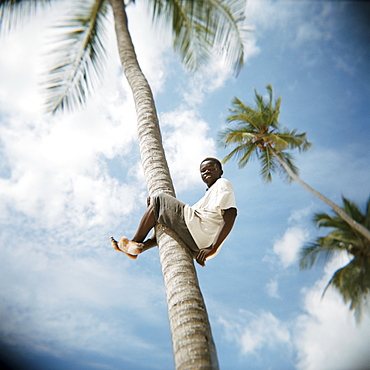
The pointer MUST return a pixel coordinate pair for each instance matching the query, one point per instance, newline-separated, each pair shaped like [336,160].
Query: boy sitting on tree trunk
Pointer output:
[203,227]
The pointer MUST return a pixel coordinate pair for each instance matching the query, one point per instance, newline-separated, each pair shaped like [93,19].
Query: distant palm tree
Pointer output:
[352,280]
[200,28]
[258,132]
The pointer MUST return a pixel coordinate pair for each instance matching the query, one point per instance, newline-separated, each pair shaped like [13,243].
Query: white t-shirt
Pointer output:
[204,218]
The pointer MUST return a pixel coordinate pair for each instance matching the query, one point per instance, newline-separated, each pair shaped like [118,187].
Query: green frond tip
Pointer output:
[77,61]
[203,29]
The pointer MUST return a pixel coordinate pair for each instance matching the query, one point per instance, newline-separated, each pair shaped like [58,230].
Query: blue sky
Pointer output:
[69,182]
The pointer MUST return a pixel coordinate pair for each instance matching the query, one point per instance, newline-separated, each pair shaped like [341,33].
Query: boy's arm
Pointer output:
[229,217]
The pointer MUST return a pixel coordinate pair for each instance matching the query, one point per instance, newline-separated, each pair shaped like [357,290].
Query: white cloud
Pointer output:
[19,82]
[300,24]
[326,336]
[253,332]
[300,215]
[343,64]
[205,82]
[267,14]
[272,288]
[319,26]
[213,76]
[69,303]
[54,168]
[151,46]
[186,144]
[288,246]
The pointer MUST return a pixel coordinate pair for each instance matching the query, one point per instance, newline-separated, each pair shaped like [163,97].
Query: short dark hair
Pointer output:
[214,160]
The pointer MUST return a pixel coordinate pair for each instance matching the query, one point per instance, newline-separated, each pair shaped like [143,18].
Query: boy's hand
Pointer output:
[202,255]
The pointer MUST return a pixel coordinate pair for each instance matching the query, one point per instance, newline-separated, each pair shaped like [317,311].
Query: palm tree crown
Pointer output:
[258,131]
[352,280]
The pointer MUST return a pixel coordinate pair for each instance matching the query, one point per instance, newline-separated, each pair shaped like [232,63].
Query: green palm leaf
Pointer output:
[276,141]
[244,150]
[79,55]
[294,140]
[313,251]
[201,26]
[268,165]
[352,280]
[12,12]
[287,158]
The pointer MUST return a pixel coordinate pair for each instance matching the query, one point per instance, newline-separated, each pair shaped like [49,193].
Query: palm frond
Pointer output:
[348,232]
[243,152]
[353,210]
[242,135]
[353,282]
[79,56]
[295,140]
[325,220]
[305,143]
[273,115]
[246,155]
[367,214]
[268,165]
[246,117]
[229,22]
[270,112]
[13,12]
[276,141]
[287,158]
[258,98]
[309,254]
[201,27]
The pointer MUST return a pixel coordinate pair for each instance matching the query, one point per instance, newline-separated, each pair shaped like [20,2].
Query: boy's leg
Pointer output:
[150,243]
[137,245]
[146,224]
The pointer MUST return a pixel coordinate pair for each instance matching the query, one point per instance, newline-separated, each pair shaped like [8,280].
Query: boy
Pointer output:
[203,227]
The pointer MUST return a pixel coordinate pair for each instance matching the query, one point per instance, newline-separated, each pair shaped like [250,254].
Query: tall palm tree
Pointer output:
[352,280]
[259,132]
[199,28]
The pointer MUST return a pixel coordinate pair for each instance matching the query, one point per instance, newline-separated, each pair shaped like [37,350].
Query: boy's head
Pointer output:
[210,170]
[213,160]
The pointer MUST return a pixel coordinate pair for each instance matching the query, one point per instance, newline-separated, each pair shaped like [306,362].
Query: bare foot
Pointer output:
[130,247]
[121,246]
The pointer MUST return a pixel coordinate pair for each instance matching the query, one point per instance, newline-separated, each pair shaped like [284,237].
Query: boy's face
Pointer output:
[210,172]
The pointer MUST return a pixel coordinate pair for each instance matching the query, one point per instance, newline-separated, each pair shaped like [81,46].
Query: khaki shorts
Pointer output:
[169,211]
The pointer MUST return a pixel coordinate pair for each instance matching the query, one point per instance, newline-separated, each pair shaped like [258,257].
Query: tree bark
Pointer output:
[192,340]
[350,221]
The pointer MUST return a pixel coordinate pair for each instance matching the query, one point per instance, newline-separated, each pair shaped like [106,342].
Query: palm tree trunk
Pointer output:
[192,340]
[350,221]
